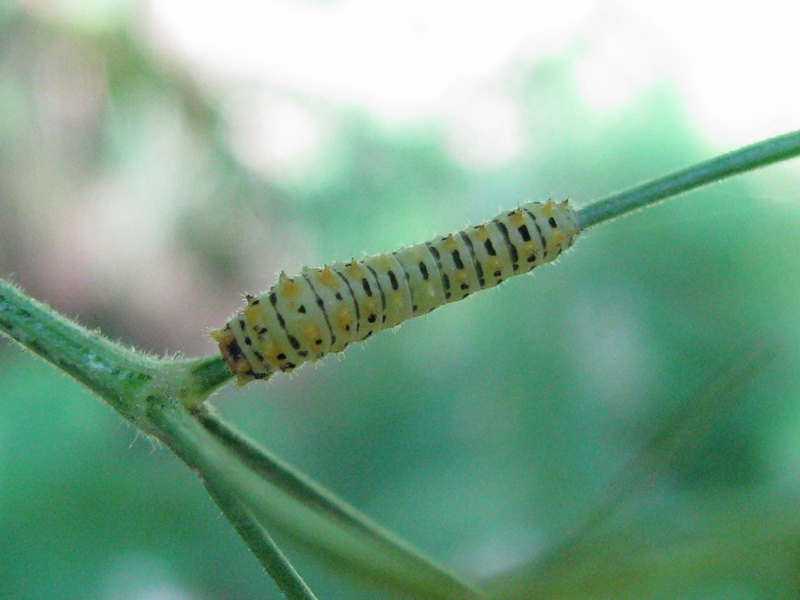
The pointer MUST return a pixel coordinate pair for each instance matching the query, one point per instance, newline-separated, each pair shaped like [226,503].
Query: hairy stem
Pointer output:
[108,369]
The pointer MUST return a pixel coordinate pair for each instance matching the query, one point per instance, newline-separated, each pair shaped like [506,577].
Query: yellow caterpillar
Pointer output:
[322,310]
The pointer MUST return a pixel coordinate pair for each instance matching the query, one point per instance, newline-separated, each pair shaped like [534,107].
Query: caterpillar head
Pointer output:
[233,355]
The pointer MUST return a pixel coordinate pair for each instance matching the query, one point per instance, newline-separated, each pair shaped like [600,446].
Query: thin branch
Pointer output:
[286,500]
[259,541]
[739,161]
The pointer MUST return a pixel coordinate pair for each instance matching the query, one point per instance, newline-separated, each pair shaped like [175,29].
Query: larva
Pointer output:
[322,310]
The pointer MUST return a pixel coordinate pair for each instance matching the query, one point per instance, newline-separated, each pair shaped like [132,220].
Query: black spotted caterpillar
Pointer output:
[322,310]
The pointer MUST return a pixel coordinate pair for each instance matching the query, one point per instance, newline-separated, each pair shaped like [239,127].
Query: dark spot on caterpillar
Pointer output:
[464,286]
[302,309]
[293,341]
[372,318]
[457,259]
[255,301]
[532,258]
[512,249]
[289,366]
[365,285]
[339,296]
[383,319]
[475,262]
[234,351]
[241,324]
[481,282]
[258,375]
[393,280]
[248,341]
[489,248]
[303,353]
[281,356]
[516,266]
[523,231]
[273,298]
[261,330]
[465,295]
[347,327]
[497,273]
[447,295]
[281,320]
[445,281]
[369,333]
[552,222]
[249,298]
[423,268]
[333,340]
[434,252]
[320,303]
[414,308]
[318,342]
[259,356]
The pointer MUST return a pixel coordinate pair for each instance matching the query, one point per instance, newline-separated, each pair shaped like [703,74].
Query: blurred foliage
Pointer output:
[483,432]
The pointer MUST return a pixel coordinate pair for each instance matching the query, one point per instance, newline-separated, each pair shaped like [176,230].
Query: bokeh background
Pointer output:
[160,158]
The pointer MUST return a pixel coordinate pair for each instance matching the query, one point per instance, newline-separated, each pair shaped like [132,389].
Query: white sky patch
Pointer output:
[734,65]
[273,134]
[484,129]
[401,59]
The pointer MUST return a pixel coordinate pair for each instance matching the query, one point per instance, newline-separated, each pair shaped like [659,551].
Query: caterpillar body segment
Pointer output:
[322,310]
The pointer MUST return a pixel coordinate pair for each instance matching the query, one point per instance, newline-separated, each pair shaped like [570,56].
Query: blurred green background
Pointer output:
[147,181]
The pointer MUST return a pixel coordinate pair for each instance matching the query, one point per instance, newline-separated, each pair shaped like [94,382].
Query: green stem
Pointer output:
[739,161]
[207,374]
[109,369]
[287,501]
[260,543]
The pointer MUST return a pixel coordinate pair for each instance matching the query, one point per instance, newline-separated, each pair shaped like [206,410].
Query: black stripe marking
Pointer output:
[393,280]
[353,296]
[321,304]
[489,247]
[423,269]
[457,259]
[523,231]
[365,285]
[408,280]
[512,249]
[538,231]
[380,289]
[438,260]
[475,261]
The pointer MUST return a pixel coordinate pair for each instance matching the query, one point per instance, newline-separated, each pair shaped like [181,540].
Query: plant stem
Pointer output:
[260,543]
[109,369]
[739,161]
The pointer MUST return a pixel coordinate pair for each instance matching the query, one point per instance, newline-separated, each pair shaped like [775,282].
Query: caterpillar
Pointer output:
[322,310]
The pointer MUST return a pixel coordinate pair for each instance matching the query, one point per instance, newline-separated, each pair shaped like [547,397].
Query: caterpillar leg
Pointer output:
[234,357]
